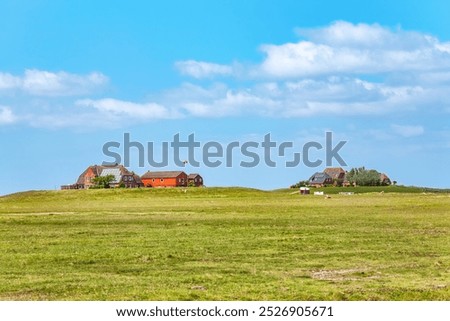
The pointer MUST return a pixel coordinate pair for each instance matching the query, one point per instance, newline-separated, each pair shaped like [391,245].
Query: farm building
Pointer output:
[320,179]
[304,190]
[165,179]
[337,174]
[385,180]
[122,177]
[195,180]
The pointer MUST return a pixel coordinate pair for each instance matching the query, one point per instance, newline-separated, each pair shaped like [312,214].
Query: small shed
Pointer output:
[195,180]
[304,190]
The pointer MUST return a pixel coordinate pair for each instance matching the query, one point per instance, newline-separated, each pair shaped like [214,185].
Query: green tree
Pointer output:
[363,177]
[103,181]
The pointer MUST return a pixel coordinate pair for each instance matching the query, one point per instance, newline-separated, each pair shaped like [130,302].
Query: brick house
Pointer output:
[122,177]
[337,174]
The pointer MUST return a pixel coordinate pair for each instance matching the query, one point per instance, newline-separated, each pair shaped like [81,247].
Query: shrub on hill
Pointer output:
[365,177]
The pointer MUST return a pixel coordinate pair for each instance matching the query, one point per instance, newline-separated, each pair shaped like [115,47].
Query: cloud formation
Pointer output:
[45,83]
[341,48]
[343,69]
[346,48]
[118,108]
[324,74]
[200,69]
[6,115]
[333,96]
[408,130]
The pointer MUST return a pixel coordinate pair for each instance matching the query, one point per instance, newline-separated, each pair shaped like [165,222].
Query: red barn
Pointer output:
[164,179]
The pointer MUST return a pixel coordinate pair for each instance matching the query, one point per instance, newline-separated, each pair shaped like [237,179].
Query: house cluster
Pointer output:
[122,177]
[337,176]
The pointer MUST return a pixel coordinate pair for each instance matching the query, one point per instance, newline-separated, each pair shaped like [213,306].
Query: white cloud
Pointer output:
[340,48]
[100,113]
[339,70]
[339,96]
[201,69]
[126,109]
[232,103]
[332,97]
[45,83]
[214,101]
[408,130]
[346,48]
[322,75]
[361,35]
[6,115]
[8,81]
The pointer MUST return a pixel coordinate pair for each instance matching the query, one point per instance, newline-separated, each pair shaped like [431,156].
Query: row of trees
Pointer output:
[366,177]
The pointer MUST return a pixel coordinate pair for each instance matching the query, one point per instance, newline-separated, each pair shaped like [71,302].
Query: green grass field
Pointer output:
[224,244]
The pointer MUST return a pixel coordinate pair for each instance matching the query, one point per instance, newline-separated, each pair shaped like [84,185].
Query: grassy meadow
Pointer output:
[224,244]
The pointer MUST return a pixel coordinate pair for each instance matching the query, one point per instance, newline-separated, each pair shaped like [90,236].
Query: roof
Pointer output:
[114,172]
[193,175]
[137,179]
[319,178]
[94,168]
[334,172]
[103,170]
[162,174]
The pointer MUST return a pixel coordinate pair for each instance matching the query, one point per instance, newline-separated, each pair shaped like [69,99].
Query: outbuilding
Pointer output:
[164,179]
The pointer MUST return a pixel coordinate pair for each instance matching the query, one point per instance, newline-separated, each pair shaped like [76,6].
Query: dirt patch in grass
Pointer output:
[344,275]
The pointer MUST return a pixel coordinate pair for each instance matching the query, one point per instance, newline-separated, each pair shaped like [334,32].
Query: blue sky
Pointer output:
[75,75]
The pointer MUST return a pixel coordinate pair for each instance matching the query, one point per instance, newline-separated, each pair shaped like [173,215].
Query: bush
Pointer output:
[103,181]
[300,184]
[364,177]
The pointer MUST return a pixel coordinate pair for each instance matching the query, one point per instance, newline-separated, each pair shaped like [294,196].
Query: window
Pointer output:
[162,179]
[153,179]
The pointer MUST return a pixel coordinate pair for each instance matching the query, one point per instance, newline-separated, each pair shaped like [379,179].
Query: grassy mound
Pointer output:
[224,244]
